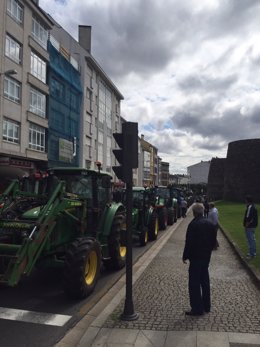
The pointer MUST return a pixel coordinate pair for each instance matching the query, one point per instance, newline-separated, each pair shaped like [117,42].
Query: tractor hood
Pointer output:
[32,213]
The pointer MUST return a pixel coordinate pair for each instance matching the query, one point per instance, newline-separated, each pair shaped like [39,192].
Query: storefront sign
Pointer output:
[65,150]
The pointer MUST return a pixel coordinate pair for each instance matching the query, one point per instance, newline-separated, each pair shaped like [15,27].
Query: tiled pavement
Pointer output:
[160,298]
[160,294]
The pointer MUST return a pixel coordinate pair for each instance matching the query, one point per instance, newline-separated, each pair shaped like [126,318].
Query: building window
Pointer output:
[39,33]
[87,164]
[12,89]
[117,108]
[11,131]
[105,105]
[89,124]
[38,67]
[36,137]
[100,146]
[37,103]
[88,146]
[15,10]
[147,164]
[90,98]
[109,151]
[13,49]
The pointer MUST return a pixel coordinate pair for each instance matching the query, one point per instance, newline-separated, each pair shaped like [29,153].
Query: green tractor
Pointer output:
[165,207]
[176,196]
[62,218]
[144,217]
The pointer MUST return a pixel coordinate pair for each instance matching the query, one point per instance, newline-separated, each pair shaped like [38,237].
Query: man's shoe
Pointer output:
[250,256]
[192,313]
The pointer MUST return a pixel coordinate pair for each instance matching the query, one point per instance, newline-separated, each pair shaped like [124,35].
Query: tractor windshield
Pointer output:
[78,184]
[162,192]
[138,199]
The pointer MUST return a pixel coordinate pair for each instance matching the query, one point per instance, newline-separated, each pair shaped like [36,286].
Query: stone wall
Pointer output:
[216,179]
[242,170]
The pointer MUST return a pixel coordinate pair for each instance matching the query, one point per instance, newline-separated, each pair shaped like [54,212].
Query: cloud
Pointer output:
[189,70]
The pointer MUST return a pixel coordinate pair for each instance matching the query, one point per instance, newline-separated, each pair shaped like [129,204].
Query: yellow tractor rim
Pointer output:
[146,236]
[122,251]
[156,226]
[91,268]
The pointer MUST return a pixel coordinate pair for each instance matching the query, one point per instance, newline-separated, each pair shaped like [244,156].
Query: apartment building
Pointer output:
[148,167]
[164,173]
[57,105]
[23,87]
[64,117]
[100,101]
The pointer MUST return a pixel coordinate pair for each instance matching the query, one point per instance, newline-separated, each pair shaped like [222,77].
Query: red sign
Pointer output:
[20,163]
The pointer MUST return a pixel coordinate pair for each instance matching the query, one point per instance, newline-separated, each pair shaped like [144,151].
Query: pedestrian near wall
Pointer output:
[183,207]
[200,241]
[213,217]
[206,207]
[250,223]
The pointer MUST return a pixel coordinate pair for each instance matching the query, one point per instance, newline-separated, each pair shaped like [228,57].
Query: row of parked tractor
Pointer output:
[154,208]
[66,217]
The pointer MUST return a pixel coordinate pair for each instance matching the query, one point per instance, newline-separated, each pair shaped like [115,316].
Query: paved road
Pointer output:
[161,295]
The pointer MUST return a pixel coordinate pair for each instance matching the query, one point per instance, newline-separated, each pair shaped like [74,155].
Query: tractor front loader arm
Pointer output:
[22,258]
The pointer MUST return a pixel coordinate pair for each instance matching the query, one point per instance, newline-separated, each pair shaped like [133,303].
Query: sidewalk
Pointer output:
[160,295]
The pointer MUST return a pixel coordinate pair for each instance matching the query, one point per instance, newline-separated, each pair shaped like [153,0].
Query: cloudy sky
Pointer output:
[189,70]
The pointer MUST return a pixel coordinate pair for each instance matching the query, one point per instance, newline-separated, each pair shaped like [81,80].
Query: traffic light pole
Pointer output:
[129,314]
[127,157]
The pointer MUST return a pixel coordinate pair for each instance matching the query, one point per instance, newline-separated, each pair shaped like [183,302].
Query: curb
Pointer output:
[251,271]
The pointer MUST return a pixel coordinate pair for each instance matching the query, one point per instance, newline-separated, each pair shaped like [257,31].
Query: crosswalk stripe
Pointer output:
[33,317]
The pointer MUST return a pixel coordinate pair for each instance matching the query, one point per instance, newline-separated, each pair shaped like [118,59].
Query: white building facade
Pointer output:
[198,173]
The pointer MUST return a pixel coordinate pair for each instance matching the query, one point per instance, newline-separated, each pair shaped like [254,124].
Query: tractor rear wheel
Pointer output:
[153,227]
[143,237]
[170,216]
[117,250]
[163,218]
[82,267]
[175,214]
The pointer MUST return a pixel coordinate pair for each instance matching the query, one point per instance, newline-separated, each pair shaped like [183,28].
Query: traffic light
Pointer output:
[127,154]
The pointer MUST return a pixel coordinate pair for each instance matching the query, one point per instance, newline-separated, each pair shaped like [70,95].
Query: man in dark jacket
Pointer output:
[250,223]
[200,241]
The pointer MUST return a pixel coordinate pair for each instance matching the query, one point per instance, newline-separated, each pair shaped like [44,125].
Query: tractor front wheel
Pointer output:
[143,237]
[170,216]
[82,267]
[117,250]
[163,218]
